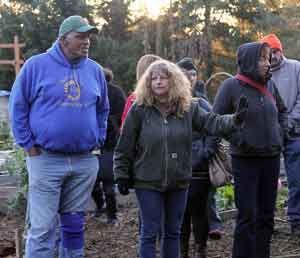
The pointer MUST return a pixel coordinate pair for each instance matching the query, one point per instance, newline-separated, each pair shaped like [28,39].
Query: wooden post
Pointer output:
[18,242]
[16,46]
[17,54]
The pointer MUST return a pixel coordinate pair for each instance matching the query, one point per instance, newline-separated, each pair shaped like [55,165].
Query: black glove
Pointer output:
[241,111]
[123,186]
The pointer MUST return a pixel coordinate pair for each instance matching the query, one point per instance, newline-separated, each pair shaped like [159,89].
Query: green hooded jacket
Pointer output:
[155,151]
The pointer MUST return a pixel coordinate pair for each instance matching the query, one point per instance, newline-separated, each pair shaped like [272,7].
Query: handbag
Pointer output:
[220,168]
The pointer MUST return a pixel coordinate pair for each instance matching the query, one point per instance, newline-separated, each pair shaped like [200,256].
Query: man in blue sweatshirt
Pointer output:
[58,110]
[286,75]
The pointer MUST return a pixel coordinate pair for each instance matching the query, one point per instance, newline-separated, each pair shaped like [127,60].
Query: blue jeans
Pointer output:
[292,166]
[58,184]
[214,219]
[255,189]
[152,205]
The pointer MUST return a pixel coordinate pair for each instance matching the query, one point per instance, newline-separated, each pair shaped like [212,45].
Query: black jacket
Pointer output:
[266,122]
[199,90]
[203,147]
[117,99]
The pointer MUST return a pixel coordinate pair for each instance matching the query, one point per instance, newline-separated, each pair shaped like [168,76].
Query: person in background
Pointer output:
[198,86]
[199,91]
[141,67]
[203,148]
[104,188]
[58,111]
[255,148]
[286,75]
[154,152]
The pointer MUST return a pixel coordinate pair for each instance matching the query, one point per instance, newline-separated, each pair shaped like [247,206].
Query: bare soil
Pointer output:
[120,241]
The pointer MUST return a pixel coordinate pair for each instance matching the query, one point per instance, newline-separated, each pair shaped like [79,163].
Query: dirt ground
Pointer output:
[120,241]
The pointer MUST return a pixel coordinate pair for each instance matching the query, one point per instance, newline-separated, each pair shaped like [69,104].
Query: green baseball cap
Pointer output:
[75,23]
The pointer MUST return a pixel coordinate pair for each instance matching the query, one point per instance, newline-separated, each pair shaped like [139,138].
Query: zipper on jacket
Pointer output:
[263,103]
[165,122]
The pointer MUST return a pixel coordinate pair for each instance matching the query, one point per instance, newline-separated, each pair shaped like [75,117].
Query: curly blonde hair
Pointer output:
[179,86]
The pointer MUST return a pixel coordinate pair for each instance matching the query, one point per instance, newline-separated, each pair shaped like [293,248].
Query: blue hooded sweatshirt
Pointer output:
[58,105]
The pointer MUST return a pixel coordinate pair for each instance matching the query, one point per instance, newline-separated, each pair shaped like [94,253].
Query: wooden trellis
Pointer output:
[17,62]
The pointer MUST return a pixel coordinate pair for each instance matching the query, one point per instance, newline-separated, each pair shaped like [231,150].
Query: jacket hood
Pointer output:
[57,54]
[248,56]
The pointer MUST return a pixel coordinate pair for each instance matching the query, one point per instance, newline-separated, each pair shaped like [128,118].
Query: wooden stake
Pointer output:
[18,241]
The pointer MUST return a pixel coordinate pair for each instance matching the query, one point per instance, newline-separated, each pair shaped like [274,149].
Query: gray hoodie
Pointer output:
[287,79]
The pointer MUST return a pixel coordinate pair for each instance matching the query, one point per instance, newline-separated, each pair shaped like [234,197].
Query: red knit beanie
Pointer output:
[272,41]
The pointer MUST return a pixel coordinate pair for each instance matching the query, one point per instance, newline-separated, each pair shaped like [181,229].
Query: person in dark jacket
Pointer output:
[203,147]
[199,91]
[198,86]
[255,148]
[154,151]
[104,185]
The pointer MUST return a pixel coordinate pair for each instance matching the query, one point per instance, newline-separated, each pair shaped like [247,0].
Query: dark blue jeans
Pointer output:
[292,166]
[255,188]
[152,205]
[214,219]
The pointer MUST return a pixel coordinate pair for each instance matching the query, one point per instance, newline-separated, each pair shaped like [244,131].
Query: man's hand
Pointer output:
[34,151]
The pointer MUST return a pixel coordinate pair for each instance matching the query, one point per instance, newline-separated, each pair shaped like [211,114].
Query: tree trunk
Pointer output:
[158,41]
[208,38]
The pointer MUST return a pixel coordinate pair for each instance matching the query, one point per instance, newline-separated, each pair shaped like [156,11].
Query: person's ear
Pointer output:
[63,40]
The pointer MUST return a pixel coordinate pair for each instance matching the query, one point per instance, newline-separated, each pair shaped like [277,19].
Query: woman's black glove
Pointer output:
[123,186]
[241,111]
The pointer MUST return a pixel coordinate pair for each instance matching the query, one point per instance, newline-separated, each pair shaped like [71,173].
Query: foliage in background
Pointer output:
[282,197]
[16,166]
[225,198]
[207,30]
[6,142]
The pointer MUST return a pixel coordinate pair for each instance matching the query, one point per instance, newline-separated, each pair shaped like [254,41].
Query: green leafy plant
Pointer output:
[225,197]
[6,142]
[16,165]
[282,196]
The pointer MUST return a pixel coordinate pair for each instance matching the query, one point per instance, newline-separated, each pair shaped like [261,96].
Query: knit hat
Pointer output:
[187,64]
[272,41]
[75,23]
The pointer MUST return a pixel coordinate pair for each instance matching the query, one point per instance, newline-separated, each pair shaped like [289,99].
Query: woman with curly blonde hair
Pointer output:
[178,93]
[154,151]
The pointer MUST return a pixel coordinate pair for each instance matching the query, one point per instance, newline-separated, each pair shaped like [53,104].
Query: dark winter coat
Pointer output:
[266,122]
[117,99]
[200,90]
[156,151]
[203,147]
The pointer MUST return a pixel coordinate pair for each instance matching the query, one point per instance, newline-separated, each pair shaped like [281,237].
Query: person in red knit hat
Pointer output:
[286,75]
